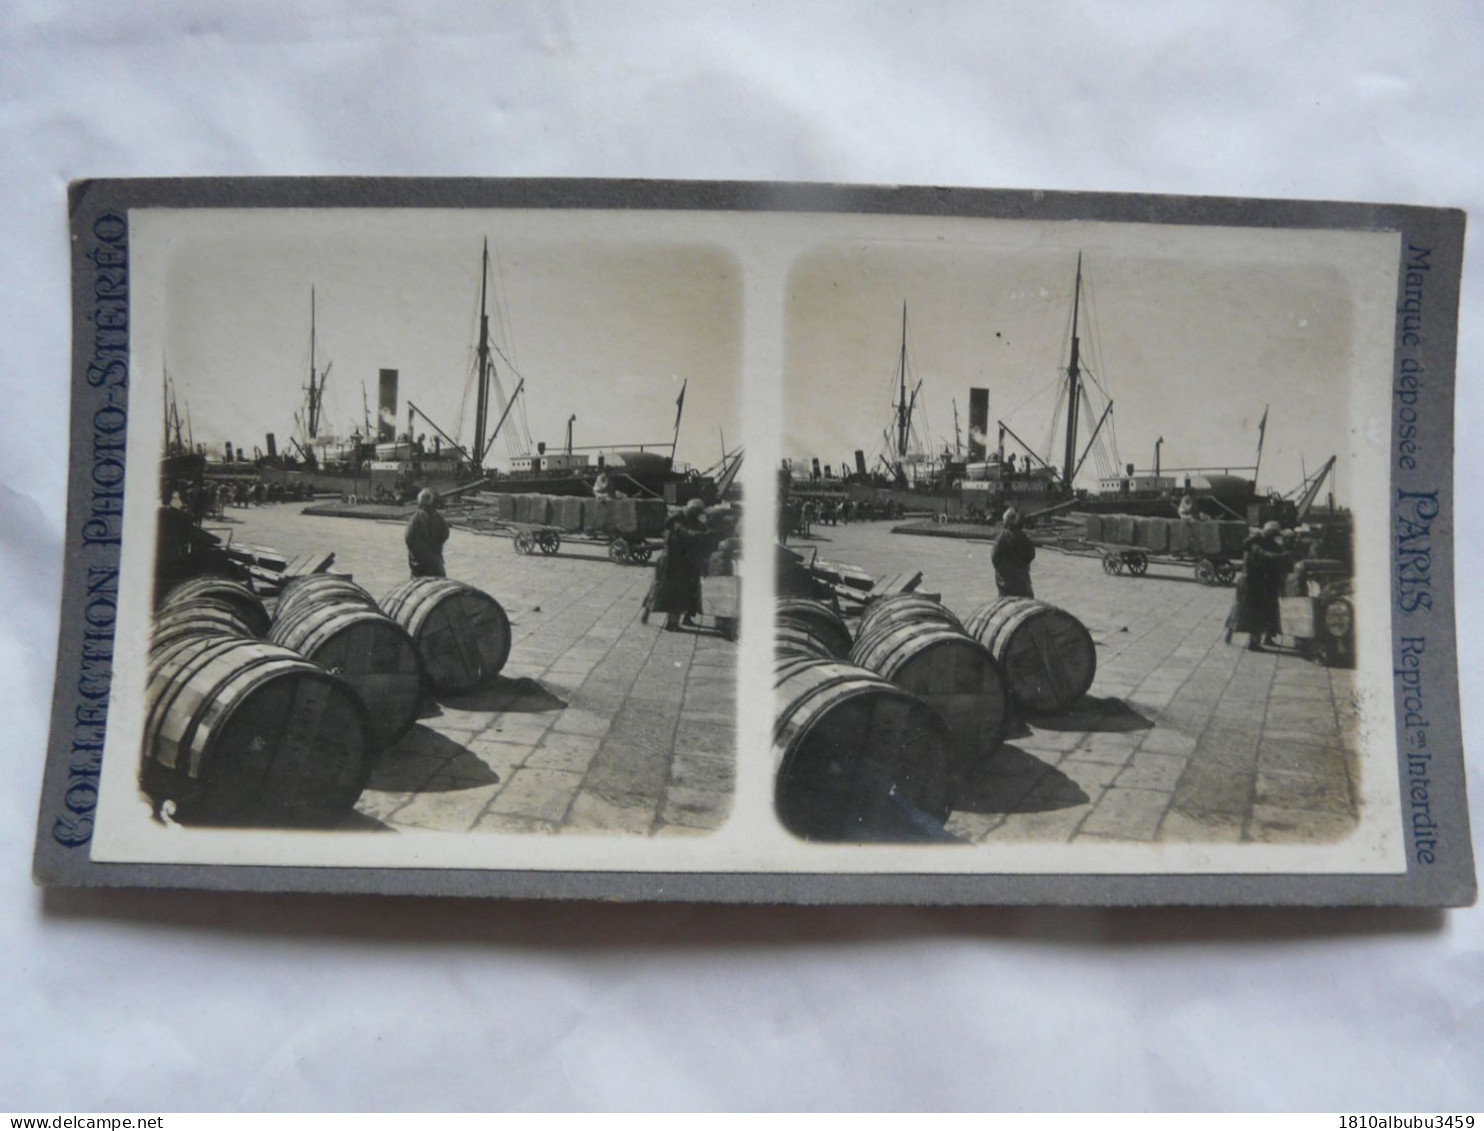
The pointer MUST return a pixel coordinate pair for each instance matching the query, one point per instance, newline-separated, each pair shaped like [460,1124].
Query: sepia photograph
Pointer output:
[1074,561]
[447,527]
[429,567]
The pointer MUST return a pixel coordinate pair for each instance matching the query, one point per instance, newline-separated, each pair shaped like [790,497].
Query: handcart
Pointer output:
[626,549]
[1210,568]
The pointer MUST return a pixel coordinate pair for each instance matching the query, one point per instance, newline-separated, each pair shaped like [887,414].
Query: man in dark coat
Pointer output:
[1012,556]
[1265,562]
[676,591]
[426,533]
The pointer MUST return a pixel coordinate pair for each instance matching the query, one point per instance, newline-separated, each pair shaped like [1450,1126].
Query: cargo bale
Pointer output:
[505,508]
[1180,537]
[1207,538]
[1123,530]
[641,516]
[1232,535]
[1094,528]
[1154,534]
[597,516]
[566,512]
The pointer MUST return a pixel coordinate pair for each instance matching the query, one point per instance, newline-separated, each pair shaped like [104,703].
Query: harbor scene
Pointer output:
[381,602]
[994,627]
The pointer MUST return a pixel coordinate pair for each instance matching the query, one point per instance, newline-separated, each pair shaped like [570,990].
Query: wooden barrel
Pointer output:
[952,673]
[462,635]
[243,732]
[904,608]
[201,617]
[314,589]
[226,590]
[367,649]
[901,608]
[858,759]
[791,641]
[1047,654]
[823,627]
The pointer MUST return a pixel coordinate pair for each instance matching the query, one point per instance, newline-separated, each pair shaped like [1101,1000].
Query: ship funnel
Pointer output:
[978,424]
[386,408]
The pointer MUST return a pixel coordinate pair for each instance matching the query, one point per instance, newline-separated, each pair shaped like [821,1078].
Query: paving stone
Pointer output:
[1273,824]
[702,808]
[573,753]
[1130,814]
[510,823]
[542,794]
[595,812]
[1161,740]
[454,810]
[1056,825]
[502,758]
[702,771]
[576,721]
[1327,794]
[1149,770]
[381,806]
[1211,828]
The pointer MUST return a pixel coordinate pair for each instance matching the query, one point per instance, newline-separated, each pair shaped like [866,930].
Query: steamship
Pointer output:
[380,463]
[987,481]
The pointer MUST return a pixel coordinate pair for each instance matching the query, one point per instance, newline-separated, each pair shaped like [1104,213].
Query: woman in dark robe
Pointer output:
[676,591]
[1264,564]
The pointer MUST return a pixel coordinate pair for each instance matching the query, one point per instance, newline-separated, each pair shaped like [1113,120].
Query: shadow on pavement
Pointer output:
[1106,716]
[523,696]
[1013,781]
[419,756]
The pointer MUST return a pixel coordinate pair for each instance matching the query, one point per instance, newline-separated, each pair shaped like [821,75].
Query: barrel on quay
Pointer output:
[243,732]
[204,617]
[462,634]
[858,759]
[363,646]
[1046,653]
[314,589]
[900,608]
[812,626]
[952,673]
[211,589]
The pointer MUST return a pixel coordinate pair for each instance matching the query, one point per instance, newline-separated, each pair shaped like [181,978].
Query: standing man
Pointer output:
[1012,556]
[426,533]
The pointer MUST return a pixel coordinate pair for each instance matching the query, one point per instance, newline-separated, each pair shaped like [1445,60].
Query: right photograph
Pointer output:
[1065,539]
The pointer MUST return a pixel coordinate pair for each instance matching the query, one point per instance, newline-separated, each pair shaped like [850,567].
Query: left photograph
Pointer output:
[448,526]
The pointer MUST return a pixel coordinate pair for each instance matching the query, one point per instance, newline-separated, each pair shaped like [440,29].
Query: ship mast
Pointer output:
[1074,398]
[314,387]
[904,412]
[482,403]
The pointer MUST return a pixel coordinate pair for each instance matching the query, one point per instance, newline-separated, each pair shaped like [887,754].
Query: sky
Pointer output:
[1193,333]
[601,325]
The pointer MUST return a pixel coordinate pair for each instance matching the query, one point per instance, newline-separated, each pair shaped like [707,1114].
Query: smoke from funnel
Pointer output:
[386,407]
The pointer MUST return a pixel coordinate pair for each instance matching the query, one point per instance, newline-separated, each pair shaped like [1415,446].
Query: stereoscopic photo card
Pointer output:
[763,543]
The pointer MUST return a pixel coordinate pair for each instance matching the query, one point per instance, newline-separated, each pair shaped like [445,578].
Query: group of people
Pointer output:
[695,547]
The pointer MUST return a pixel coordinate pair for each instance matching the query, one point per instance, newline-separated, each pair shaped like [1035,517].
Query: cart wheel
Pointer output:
[1112,564]
[640,552]
[618,551]
[524,543]
[1205,572]
[1226,573]
[549,541]
[1138,564]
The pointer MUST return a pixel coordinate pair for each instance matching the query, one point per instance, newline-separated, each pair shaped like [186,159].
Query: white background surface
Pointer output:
[181,1001]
